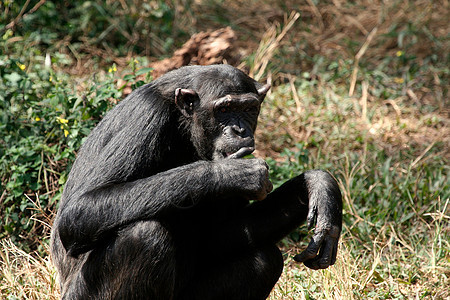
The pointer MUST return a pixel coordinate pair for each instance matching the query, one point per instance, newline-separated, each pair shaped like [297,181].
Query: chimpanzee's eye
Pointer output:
[250,109]
[223,109]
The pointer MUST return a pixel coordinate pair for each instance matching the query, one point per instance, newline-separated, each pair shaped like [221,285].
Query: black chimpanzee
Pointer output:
[157,203]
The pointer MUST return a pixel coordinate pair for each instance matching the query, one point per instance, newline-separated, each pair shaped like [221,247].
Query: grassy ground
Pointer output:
[361,90]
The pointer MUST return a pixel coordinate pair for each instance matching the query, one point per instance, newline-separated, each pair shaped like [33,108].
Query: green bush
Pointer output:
[89,26]
[44,117]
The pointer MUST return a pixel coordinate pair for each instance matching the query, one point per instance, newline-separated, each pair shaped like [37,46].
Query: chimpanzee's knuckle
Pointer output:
[258,169]
[333,258]
[260,196]
[264,173]
[325,260]
[312,264]
[261,163]
[310,252]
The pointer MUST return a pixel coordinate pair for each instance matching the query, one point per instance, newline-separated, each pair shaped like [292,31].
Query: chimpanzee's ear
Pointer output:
[262,91]
[187,100]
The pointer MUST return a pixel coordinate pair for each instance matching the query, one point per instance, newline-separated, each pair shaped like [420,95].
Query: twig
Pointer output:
[16,19]
[269,44]
[358,57]
[422,155]
[295,94]
[365,93]
[21,14]
[317,13]
[358,24]
[395,106]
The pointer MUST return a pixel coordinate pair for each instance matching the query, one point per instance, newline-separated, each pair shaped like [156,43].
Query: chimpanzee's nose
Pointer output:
[235,131]
[238,130]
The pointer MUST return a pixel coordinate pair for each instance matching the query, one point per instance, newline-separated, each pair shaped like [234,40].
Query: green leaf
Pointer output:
[143,71]
[14,77]
[128,77]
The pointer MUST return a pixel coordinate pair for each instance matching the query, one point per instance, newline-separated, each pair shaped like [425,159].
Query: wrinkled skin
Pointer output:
[157,204]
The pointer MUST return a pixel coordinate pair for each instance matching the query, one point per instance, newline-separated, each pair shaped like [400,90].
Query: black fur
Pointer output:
[157,202]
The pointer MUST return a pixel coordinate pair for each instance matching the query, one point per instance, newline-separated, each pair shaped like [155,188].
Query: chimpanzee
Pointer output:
[157,204]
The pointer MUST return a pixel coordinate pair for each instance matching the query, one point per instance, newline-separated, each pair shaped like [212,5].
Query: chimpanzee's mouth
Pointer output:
[239,153]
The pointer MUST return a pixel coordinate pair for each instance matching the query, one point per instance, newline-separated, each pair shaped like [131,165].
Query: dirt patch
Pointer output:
[203,48]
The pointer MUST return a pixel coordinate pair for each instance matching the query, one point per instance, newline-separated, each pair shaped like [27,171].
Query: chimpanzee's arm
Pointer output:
[313,196]
[325,213]
[89,218]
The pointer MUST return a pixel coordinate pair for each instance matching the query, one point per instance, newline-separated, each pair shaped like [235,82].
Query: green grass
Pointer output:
[369,105]
[395,241]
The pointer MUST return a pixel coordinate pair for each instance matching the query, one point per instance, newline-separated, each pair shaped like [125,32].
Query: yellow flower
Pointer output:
[399,53]
[21,66]
[37,119]
[50,79]
[8,32]
[112,69]
[62,120]
[66,132]
[399,80]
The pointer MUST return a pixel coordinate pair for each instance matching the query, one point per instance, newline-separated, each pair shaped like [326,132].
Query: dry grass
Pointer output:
[378,272]
[29,275]
[25,275]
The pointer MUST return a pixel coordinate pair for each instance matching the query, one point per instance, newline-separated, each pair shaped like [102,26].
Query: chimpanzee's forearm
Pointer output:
[94,215]
[313,195]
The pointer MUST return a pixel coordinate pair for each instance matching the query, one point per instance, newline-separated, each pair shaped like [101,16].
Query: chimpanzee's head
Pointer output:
[222,108]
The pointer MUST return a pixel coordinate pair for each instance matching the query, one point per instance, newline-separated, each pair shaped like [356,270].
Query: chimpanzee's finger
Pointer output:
[241,152]
[326,253]
[312,249]
[323,260]
[326,256]
[335,246]
[312,264]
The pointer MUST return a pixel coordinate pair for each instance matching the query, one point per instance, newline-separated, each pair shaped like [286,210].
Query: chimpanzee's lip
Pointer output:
[239,153]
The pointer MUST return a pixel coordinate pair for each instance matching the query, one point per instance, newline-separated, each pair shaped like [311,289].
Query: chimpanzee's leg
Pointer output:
[239,258]
[250,274]
[264,222]
[137,264]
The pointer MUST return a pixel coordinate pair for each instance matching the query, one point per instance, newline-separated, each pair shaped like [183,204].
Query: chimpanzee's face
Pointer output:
[222,127]
[236,118]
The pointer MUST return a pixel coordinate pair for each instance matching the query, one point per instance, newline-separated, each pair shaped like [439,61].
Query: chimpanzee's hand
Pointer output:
[248,177]
[325,212]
